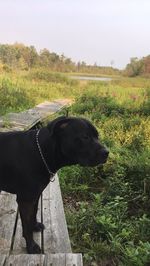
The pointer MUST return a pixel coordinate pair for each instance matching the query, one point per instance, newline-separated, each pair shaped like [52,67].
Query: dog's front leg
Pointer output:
[37,226]
[26,209]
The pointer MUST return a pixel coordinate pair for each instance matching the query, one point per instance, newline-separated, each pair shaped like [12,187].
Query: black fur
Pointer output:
[65,141]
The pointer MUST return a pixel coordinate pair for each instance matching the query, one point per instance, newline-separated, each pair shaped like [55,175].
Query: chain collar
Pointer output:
[52,178]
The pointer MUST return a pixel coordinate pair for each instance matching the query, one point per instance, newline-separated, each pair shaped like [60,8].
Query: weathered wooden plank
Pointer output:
[74,259]
[2,259]
[53,107]
[25,260]
[22,120]
[8,211]
[62,259]
[38,235]
[55,260]
[59,259]
[29,118]
[19,246]
[56,237]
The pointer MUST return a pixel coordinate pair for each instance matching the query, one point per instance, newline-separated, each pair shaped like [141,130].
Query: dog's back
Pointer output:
[15,152]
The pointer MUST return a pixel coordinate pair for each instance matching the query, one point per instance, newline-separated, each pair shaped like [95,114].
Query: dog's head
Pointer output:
[78,141]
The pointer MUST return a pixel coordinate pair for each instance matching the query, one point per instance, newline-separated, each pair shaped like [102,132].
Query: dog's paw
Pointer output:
[38,227]
[34,248]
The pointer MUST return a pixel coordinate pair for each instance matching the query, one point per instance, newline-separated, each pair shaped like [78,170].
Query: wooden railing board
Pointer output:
[2,259]
[19,245]
[59,259]
[54,220]
[28,119]
[25,260]
[8,212]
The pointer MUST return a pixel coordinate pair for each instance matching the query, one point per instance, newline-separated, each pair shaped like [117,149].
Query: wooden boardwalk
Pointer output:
[54,240]
[28,119]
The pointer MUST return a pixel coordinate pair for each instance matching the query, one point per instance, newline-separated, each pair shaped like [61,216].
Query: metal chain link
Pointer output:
[52,178]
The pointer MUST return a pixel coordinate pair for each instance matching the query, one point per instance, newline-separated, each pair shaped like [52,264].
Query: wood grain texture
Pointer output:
[74,259]
[56,237]
[62,259]
[19,246]
[29,118]
[25,260]
[8,212]
[2,260]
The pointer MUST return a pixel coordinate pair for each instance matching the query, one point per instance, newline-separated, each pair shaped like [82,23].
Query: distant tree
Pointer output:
[146,63]
[45,58]
[8,54]
[16,54]
[135,67]
[30,56]
[1,66]
[62,57]
[19,56]
[55,58]
[78,66]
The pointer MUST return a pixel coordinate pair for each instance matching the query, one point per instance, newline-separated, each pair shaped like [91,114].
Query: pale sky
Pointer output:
[84,30]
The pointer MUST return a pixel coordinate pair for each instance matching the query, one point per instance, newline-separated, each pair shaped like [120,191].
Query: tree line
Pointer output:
[138,67]
[18,56]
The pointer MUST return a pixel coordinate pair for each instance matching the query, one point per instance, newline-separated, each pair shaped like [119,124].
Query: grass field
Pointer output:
[107,207]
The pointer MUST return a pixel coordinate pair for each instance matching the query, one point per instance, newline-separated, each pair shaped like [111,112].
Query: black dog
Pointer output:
[28,160]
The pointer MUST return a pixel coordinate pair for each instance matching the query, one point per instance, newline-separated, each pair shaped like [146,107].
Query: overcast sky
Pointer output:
[85,30]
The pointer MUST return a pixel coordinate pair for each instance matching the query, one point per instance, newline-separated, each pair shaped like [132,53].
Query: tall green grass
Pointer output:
[39,85]
[13,97]
[108,213]
[21,91]
[107,207]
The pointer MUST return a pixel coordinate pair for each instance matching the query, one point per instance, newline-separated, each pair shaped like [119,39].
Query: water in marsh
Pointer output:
[91,78]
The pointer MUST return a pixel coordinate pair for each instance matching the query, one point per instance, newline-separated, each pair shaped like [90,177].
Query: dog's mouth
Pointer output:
[103,161]
[93,163]
[96,158]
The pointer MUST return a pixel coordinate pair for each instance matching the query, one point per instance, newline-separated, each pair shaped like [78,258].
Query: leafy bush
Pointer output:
[48,76]
[12,97]
[104,106]
[108,210]
[107,207]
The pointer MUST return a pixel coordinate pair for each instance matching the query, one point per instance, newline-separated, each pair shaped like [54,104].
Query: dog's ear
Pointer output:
[57,124]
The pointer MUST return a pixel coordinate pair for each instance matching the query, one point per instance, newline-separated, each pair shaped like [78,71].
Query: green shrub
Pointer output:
[107,207]
[108,215]
[13,98]
[48,76]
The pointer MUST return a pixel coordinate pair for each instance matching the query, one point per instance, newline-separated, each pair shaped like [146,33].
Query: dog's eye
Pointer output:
[82,140]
